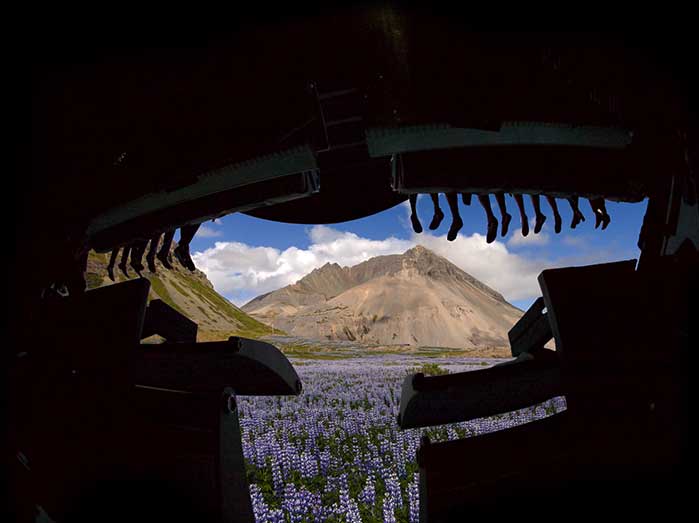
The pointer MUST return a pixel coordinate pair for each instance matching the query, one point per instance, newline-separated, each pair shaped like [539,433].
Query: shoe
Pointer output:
[492,230]
[505,223]
[436,219]
[417,226]
[540,219]
[110,272]
[138,267]
[598,219]
[557,223]
[605,221]
[122,266]
[577,218]
[525,227]
[454,229]
[184,258]
[163,259]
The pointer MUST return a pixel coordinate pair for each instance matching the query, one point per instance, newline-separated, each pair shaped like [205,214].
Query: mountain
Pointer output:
[191,293]
[414,298]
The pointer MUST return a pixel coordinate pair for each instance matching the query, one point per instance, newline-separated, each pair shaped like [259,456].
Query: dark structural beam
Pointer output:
[463,396]
[556,170]
[353,186]
[250,367]
[155,213]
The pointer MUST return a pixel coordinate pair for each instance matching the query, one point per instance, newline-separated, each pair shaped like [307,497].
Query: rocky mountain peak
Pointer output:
[416,298]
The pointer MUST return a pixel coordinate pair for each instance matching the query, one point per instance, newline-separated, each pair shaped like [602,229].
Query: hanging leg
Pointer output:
[606,219]
[504,215]
[112,262]
[540,217]
[522,214]
[438,214]
[577,215]
[181,252]
[456,221]
[417,226]
[556,215]
[484,200]
[139,247]
[600,211]
[150,257]
[164,252]
[124,258]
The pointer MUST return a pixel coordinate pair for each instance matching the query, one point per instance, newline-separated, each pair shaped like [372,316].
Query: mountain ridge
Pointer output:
[414,298]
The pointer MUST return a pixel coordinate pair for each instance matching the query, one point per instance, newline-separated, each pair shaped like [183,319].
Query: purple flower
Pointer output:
[309,453]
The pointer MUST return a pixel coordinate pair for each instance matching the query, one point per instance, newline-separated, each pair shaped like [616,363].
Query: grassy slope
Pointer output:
[192,295]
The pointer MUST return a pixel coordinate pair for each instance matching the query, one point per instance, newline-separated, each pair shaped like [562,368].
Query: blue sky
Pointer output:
[245,257]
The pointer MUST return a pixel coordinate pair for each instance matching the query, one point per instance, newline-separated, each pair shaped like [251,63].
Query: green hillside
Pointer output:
[191,293]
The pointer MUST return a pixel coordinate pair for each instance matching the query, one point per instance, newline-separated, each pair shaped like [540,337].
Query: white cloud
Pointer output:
[208,232]
[517,240]
[512,275]
[240,271]
[574,241]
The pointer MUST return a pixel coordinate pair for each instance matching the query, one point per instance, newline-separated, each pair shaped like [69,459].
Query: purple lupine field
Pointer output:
[335,452]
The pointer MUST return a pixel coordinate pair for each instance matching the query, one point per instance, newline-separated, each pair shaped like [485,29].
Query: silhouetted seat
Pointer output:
[615,426]
[163,320]
[465,396]
[532,331]
[461,476]
[594,316]
[142,431]
[533,378]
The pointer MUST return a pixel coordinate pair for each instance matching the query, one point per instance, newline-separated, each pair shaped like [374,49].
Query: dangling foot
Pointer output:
[110,272]
[557,223]
[605,221]
[436,219]
[598,218]
[150,260]
[456,225]
[540,219]
[122,266]
[163,259]
[184,258]
[525,227]
[506,219]
[577,218]
[138,267]
[417,226]
[492,230]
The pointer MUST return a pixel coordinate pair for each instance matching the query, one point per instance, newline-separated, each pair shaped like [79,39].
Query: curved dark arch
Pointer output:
[112,124]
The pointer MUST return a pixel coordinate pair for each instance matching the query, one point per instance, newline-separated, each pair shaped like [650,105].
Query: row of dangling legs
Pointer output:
[597,205]
[132,254]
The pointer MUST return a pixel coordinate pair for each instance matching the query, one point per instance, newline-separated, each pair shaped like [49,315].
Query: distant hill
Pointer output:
[191,293]
[416,298]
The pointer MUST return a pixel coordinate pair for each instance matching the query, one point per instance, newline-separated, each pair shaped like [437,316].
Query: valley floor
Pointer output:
[335,453]
[320,349]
